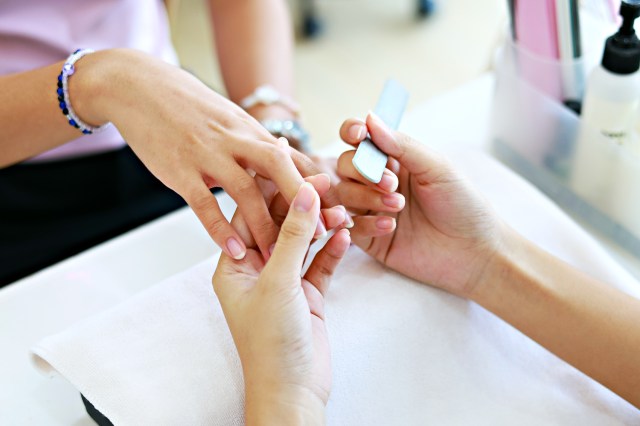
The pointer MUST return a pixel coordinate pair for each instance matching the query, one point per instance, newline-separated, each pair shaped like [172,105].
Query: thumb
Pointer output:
[295,235]
[416,157]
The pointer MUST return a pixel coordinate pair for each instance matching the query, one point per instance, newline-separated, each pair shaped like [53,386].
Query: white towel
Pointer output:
[403,353]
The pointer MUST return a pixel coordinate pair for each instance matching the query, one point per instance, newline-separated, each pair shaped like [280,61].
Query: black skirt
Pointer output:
[50,211]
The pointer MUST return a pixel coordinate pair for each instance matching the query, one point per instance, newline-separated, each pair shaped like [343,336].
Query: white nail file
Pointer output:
[369,161]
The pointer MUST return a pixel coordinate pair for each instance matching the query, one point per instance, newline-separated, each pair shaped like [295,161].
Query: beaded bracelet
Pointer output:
[63,94]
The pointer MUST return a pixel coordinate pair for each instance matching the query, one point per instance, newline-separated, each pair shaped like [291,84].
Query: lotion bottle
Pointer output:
[609,113]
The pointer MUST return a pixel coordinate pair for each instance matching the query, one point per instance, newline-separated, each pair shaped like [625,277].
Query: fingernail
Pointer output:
[357,131]
[385,222]
[273,246]
[395,200]
[321,230]
[236,250]
[305,198]
[389,181]
[377,119]
[348,221]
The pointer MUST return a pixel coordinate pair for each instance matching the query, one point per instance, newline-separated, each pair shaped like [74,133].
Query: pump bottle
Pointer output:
[609,114]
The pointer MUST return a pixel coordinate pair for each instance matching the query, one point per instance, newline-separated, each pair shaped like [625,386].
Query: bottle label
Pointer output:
[614,120]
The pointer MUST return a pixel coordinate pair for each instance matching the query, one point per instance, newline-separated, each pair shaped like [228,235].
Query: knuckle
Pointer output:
[216,225]
[325,270]
[244,185]
[198,200]
[294,229]
[263,226]
[277,155]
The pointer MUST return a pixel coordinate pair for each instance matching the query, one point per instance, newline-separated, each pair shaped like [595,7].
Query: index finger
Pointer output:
[273,162]
[353,131]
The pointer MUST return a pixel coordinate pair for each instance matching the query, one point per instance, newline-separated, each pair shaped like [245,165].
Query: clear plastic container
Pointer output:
[534,133]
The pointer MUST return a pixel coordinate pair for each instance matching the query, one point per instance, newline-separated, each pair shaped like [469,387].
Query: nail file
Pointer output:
[369,161]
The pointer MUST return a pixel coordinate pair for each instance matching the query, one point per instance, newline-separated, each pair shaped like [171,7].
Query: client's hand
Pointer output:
[438,231]
[191,138]
[277,318]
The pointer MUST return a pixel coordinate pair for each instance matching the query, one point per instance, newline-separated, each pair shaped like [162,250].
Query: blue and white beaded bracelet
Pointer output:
[63,94]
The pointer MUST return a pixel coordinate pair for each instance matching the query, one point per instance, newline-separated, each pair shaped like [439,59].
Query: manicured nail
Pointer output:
[357,131]
[273,246]
[389,181]
[385,223]
[305,198]
[235,249]
[394,200]
[377,119]
[348,221]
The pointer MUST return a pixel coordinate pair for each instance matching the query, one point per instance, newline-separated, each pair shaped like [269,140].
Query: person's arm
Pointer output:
[189,137]
[254,41]
[29,115]
[440,231]
[592,326]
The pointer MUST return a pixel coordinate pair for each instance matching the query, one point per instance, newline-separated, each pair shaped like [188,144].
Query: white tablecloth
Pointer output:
[102,277]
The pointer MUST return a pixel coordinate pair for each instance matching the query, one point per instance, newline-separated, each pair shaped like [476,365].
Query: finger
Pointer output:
[251,204]
[327,260]
[366,227]
[279,206]
[269,191]
[346,170]
[332,217]
[321,183]
[308,167]
[205,206]
[268,188]
[394,166]
[415,156]
[275,163]
[295,236]
[353,131]
[358,196]
[336,217]
[303,163]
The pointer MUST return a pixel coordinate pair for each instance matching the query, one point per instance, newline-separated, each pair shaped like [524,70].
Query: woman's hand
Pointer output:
[190,137]
[277,318]
[435,228]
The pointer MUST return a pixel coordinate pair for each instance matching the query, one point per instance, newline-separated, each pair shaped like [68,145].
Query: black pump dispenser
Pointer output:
[622,50]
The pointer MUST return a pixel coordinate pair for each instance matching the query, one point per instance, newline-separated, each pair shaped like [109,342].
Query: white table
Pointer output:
[99,278]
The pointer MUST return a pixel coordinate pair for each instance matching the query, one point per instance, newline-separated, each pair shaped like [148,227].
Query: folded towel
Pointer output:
[403,353]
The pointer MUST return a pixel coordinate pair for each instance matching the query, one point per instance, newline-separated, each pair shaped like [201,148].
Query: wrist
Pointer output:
[506,265]
[96,87]
[282,405]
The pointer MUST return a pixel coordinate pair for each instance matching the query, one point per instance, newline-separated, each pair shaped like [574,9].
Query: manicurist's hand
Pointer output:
[438,230]
[427,223]
[277,318]
[190,137]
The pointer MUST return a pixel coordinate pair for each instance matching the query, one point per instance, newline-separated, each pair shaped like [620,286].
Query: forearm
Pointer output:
[30,118]
[590,325]
[32,121]
[254,40]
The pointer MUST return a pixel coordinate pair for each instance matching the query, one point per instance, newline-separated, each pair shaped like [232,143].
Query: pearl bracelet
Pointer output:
[63,94]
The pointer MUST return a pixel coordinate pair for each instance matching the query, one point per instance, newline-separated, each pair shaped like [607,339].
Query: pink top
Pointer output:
[36,33]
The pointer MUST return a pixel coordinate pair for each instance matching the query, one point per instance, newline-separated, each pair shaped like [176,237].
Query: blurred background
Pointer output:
[340,71]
